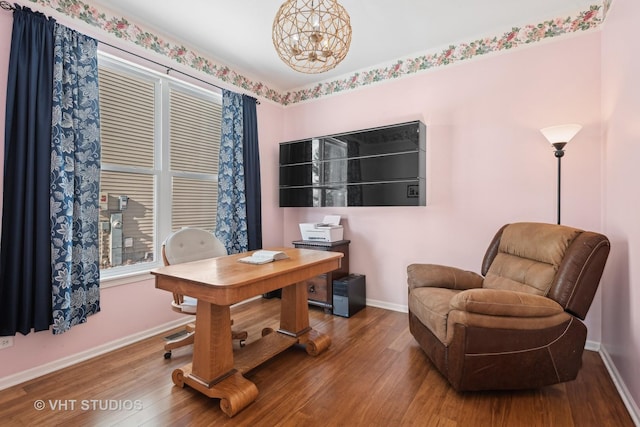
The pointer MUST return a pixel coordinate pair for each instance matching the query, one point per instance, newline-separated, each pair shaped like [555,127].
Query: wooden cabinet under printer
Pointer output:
[320,288]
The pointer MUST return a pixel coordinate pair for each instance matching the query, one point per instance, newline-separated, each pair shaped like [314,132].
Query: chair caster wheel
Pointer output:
[167,355]
[242,343]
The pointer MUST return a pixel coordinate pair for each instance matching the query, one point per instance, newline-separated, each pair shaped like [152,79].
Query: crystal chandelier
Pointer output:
[311,36]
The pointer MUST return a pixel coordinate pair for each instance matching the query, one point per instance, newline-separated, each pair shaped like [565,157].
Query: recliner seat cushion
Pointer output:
[495,302]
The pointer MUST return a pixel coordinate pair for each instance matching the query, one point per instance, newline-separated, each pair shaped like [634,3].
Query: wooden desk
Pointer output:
[218,283]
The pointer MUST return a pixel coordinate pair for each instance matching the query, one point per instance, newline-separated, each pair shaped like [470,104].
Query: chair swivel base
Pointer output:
[188,338]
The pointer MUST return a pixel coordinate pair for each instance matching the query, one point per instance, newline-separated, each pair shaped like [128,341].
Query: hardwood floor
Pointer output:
[374,374]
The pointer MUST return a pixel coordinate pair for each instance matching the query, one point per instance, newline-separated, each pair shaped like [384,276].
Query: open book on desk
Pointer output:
[263,257]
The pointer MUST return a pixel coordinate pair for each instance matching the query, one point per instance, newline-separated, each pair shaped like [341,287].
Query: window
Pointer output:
[160,145]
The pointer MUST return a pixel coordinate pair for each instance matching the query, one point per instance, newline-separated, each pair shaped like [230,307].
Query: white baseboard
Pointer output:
[630,404]
[47,368]
[387,306]
[592,346]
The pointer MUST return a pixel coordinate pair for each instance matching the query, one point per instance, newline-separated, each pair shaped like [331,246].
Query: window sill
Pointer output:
[125,278]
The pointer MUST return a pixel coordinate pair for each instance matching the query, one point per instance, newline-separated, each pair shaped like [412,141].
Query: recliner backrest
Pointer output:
[560,262]
[192,244]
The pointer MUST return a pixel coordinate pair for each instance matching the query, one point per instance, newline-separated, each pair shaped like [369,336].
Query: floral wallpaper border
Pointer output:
[518,36]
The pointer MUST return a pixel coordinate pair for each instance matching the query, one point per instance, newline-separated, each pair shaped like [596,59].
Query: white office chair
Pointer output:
[185,245]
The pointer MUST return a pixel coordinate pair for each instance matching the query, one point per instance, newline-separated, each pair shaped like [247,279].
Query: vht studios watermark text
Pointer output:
[88,405]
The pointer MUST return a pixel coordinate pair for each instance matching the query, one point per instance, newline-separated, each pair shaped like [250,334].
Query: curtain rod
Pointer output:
[8,6]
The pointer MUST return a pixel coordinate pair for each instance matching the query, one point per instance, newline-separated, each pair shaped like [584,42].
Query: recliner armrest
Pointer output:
[440,276]
[498,302]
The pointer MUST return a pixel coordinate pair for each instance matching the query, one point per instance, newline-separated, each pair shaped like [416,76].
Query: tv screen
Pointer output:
[383,166]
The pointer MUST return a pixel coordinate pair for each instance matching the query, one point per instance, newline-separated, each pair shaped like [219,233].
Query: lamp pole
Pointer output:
[559,146]
[558,137]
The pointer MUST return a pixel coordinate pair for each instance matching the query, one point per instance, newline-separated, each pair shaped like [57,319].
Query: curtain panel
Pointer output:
[25,260]
[48,253]
[231,215]
[238,218]
[75,180]
[252,172]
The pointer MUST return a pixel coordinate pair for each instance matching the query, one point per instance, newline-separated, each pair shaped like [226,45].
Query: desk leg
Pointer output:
[212,372]
[294,319]
[213,332]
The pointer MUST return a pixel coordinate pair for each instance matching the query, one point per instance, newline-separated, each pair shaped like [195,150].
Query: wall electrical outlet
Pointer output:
[6,342]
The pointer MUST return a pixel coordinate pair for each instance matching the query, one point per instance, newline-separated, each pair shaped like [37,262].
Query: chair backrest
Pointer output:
[191,244]
[560,262]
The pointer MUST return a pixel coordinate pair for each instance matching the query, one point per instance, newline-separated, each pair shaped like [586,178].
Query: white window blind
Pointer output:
[194,129]
[127,109]
[194,203]
[195,133]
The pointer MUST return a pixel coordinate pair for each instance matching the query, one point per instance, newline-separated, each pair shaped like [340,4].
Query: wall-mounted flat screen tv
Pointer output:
[383,166]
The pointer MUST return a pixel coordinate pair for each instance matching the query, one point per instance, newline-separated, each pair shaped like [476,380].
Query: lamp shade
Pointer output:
[561,133]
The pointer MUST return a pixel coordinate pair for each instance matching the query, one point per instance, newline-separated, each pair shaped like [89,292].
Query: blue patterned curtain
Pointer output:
[231,217]
[75,180]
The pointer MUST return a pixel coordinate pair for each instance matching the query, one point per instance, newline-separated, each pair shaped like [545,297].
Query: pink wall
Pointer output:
[621,109]
[488,164]
[270,122]
[125,310]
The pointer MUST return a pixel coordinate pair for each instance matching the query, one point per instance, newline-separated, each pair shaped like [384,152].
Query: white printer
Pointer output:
[329,230]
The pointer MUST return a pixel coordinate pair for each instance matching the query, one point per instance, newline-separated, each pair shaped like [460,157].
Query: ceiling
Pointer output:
[237,33]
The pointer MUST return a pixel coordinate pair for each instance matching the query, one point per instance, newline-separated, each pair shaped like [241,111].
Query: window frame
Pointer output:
[161,170]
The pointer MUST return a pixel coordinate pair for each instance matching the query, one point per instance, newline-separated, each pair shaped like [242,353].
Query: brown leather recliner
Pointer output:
[516,326]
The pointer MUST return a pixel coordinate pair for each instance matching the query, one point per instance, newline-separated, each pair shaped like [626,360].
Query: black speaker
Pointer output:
[349,295]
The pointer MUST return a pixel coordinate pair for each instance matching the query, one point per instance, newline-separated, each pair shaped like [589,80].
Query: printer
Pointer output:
[329,230]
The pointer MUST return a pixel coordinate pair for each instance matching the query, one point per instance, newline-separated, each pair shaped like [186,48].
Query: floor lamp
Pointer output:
[558,137]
